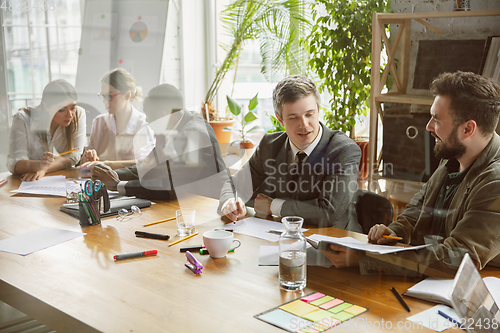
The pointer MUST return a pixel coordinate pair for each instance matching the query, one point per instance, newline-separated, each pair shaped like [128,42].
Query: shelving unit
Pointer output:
[400,75]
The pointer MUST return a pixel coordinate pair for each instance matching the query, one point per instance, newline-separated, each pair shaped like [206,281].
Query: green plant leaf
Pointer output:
[249,117]
[234,107]
[253,129]
[253,103]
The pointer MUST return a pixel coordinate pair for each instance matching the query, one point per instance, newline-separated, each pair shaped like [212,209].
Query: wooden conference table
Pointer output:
[77,287]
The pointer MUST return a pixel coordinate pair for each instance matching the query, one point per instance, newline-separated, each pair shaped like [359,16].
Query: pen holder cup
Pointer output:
[89,213]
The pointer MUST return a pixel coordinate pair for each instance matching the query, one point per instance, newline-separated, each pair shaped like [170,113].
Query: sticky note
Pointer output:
[342,316]
[317,315]
[312,297]
[340,307]
[355,310]
[298,308]
[322,319]
[309,330]
[318,327]
[331,304]
[285,320]
[322,300]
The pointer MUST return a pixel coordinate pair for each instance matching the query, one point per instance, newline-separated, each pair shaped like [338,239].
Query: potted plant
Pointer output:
[244,120]
[339,48]
[277,24]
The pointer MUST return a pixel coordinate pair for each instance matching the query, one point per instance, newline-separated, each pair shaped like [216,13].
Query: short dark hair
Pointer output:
[473,97]
[291,89]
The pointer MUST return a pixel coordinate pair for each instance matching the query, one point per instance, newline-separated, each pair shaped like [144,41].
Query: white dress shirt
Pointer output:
[113,146]
[26,144]
[277,203]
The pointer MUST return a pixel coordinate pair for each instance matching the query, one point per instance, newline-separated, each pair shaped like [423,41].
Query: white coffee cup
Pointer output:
[218,242]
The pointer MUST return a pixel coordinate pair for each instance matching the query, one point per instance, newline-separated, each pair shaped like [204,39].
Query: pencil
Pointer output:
[182,239]
[392,237]
[67,152]
[161,221]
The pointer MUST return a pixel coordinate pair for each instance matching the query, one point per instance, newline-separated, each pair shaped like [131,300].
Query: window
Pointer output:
[42,38]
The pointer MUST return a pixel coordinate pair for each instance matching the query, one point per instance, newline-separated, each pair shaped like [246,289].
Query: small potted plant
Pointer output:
[243,121]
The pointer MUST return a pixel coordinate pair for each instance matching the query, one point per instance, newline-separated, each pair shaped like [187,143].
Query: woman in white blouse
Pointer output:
[112,135]
[39,134]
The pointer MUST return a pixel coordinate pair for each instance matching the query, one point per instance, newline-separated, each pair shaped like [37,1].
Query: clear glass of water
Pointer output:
[293,250]
[185,221]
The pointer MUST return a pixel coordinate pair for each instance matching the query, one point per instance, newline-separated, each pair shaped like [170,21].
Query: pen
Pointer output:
[191,248]
[392,237]
[161,221]
[205,251]
[151,235]
[3,182]
[182,239]
[67,152]
[454,321]
[277,232]
[135,255]
[400,299]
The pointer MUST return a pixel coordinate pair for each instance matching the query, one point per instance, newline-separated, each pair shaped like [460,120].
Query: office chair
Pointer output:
[371,209]
[91,113]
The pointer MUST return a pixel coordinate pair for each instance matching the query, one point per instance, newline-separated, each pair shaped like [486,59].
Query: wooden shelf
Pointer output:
[390,17]
[404,98]
[400,73]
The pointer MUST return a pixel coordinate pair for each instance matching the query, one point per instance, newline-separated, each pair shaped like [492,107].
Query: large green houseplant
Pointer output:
[276,24]
[339,48]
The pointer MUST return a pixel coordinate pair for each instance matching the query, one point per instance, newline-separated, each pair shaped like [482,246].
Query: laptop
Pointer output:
[472,300]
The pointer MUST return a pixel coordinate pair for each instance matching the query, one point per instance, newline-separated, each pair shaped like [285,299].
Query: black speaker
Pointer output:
[408,147]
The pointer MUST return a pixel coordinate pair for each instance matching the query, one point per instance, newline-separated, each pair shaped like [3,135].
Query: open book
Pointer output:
[439,290]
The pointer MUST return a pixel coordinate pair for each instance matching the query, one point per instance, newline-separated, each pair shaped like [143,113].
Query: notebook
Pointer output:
[472,301]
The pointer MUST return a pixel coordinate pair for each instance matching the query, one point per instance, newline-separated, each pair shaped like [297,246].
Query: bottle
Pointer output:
[292,250]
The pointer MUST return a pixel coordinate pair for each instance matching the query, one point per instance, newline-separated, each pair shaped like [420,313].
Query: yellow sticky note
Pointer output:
[355,310]
[298,308]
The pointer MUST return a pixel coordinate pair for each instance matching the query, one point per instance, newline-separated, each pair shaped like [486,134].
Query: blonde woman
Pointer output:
[112,135]
[39,134]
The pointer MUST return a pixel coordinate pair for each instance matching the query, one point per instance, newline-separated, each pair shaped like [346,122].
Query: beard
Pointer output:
[451,149]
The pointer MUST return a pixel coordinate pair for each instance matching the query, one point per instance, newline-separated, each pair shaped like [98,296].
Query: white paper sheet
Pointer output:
[50,185]
[352,243]
[431,319]
[255,227]
[36,240]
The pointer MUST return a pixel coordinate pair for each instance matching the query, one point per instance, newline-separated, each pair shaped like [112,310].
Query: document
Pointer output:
[352,243]
[36,240]
[50,185]
[255,227]
[431,319]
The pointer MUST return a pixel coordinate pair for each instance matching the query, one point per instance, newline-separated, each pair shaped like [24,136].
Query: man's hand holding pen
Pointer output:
[234,209]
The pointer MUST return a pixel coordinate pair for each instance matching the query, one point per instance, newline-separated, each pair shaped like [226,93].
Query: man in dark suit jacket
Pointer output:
[186,158]
[308,170]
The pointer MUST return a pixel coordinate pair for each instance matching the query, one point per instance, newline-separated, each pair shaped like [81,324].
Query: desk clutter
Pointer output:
[315,312]
[89,202]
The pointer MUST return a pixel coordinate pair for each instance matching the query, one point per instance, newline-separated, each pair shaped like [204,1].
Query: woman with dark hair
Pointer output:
[39,134]
[114,140]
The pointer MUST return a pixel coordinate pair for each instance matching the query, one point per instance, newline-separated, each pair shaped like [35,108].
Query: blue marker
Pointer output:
[454,321]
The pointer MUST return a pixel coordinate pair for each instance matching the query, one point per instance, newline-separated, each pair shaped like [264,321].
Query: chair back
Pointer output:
[372,209]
